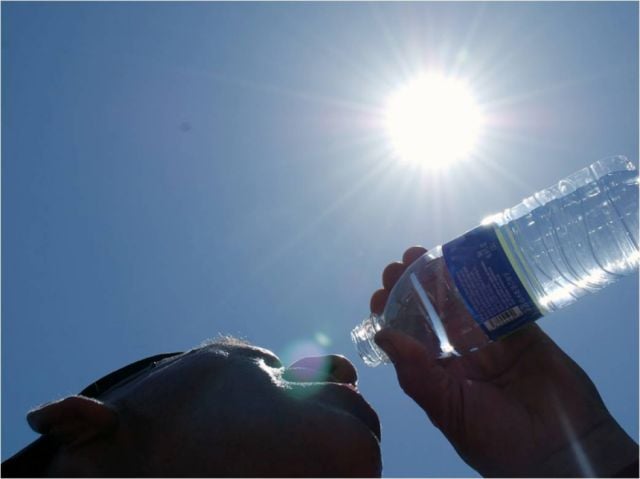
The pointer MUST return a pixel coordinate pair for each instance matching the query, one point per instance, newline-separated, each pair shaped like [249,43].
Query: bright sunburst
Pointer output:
[433,121]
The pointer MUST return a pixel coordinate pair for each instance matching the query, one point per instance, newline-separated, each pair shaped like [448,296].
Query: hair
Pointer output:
[223,340]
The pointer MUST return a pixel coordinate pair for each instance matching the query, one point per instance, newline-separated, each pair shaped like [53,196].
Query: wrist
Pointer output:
[603,452]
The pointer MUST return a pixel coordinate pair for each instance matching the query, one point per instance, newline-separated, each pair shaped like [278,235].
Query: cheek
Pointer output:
[106,456]
[327,442]
[264,431]
[228,413]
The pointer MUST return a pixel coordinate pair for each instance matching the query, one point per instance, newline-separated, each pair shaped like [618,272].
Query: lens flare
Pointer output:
[301,349]
[307,366]
[322,339]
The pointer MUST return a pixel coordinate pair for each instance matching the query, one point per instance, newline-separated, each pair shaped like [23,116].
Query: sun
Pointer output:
[433,121]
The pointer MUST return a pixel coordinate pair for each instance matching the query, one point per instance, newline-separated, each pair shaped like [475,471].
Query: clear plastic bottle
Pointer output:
[557,245]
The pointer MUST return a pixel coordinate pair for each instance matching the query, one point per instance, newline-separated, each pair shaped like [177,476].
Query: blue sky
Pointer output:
[172,171]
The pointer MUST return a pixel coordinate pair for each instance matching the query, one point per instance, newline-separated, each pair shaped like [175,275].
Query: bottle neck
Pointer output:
[362,337]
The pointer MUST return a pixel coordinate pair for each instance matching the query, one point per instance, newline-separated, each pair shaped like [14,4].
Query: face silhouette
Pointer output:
[227,409]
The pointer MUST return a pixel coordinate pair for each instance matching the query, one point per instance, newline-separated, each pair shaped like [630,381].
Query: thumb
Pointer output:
[421,376]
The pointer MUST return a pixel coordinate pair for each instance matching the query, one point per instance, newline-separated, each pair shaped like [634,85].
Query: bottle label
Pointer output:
[488,283]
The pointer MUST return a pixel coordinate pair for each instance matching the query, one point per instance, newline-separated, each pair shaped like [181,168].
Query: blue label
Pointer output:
[489,285]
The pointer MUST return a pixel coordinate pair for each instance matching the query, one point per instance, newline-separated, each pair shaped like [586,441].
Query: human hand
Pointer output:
[517,407]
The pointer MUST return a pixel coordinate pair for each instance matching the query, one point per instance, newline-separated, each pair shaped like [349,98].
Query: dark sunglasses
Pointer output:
[32,461]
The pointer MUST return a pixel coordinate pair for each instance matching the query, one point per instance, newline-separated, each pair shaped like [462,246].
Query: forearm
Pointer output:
[603,452]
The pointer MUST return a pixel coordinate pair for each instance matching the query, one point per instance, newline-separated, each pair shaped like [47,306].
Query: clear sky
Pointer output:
[172,171]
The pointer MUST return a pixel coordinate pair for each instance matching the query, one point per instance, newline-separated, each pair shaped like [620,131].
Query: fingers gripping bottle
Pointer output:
[557,245]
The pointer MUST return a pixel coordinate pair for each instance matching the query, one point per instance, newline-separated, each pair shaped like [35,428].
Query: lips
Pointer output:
[347,398]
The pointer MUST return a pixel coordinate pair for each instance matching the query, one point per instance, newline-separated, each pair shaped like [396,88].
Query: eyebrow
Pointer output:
[224,340]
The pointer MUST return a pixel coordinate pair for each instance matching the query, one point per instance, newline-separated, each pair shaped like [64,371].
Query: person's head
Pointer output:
[224,409]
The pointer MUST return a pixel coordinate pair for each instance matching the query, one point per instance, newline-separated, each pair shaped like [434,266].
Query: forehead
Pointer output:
[209,359]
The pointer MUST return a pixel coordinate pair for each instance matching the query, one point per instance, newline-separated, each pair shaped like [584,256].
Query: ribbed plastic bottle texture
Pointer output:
[557,245]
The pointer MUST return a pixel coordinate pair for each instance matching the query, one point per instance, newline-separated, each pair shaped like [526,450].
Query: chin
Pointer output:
[353,451]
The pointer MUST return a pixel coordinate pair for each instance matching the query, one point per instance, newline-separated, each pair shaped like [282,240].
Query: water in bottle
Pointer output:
[557,245]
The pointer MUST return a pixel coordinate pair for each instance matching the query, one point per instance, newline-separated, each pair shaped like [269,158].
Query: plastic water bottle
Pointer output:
[557,245]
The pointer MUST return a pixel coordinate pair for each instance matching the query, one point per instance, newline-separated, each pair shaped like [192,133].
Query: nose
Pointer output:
[331,368]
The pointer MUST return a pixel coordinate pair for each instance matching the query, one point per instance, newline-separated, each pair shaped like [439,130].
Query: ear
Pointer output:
[73,419]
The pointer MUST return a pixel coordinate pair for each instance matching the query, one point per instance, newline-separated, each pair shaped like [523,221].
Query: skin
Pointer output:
[222,410]
[519,407]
